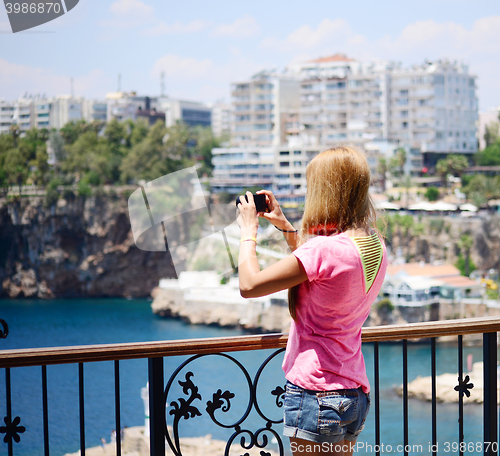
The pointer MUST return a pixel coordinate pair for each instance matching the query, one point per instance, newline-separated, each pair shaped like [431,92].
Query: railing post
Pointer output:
[156,407]
[490,393]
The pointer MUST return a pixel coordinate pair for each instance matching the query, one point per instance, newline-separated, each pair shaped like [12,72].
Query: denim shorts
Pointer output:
[324,416]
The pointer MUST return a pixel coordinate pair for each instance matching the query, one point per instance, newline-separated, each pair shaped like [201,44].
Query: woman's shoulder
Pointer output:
[333,239]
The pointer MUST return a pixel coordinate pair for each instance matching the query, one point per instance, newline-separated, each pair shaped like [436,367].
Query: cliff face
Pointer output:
[77,248]
[440,240]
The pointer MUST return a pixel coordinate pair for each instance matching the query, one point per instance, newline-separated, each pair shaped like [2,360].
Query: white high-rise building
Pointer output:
[260,106]
[55,112]
[221,119]
[431,107]
[434,107]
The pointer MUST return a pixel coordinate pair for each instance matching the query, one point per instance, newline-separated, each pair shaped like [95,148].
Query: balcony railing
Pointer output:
[164,411]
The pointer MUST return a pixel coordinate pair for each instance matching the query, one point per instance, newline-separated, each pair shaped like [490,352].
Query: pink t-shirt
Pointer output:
[324,345]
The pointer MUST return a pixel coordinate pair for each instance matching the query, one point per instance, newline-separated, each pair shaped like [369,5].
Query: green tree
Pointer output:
[205,142]
[397,162]
[432,193]
[453,164]
[382,172]
[482,188]
[56,143]
[73,130]
[161,152]
[407,183]
[90,154]
[491,134]
[490,156]
[16,168]
[40,165]
[465,244]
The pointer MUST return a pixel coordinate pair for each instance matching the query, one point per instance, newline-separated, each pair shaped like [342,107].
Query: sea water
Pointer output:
[34,323]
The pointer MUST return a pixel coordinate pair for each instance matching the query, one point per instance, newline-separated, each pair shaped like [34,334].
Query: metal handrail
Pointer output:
[107,352]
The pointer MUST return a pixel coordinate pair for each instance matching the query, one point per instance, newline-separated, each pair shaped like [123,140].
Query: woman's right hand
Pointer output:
[275,214]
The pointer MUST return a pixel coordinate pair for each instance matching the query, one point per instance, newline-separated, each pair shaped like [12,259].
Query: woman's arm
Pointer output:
[284,274]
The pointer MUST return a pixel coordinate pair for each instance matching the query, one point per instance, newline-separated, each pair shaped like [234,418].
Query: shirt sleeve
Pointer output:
[313,257]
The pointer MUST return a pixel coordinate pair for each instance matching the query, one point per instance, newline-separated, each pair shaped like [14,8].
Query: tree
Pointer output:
[490,156]
[159,153]
[382,171]
[407,184]
[205,142]
[491,133]
[432,193]
[453,164]
[465,244]
[482,188]
[397,162]
[56,143]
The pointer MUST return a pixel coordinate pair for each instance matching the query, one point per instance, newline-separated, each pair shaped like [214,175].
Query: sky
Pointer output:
[203,46]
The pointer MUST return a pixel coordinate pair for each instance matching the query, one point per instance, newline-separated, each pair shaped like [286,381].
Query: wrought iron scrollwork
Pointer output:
[12,429]
[464,386]
[222,401]
[4,331]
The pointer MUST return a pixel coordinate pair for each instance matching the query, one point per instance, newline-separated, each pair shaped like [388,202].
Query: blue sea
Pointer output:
[100,321]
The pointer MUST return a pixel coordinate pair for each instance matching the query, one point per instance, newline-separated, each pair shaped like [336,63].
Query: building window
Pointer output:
[297,175]
[284,152]
[297,163]
[284,164]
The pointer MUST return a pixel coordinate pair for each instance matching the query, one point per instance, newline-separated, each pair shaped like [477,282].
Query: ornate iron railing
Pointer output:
[221,401]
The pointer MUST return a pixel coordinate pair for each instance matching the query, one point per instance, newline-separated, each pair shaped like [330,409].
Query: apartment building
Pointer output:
[239,168]
[192,113]
[260,106]
[431,107]
[434,107]
[41,112]
[281,169]
[342,100]
[222,115]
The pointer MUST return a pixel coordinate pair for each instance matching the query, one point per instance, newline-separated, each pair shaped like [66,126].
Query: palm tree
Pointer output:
[465,244]
[453,164]
[382,170]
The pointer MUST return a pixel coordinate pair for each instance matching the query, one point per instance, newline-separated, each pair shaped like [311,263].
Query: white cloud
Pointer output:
[327,32]
[16,80]
[131,8]
[127,14]
[244,27]
[162,28]
[204,79]
[182,68]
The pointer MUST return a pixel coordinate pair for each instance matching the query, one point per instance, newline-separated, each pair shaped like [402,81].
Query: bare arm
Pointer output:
[284,274]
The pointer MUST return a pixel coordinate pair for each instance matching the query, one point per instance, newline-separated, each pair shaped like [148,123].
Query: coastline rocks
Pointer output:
[136,443]
[420,388]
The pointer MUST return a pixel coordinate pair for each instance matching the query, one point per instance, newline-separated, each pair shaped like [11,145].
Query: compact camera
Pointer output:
[260,202]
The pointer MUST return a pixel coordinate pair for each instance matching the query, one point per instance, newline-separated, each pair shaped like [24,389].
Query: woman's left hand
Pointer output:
[248,219]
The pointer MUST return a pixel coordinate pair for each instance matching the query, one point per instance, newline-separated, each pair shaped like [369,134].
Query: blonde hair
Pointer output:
[337,198]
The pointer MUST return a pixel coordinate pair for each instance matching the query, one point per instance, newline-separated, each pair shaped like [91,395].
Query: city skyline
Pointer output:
[202,48]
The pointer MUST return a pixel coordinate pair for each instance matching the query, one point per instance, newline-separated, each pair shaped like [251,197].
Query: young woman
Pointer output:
[334,274]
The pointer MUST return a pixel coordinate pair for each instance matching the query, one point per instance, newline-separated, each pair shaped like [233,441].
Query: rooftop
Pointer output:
[332,58]
[424,269]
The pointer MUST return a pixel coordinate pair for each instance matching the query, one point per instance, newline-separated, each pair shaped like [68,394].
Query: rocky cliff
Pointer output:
[76,248]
